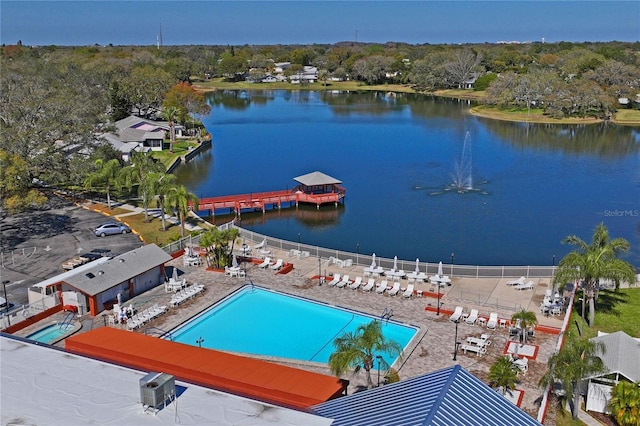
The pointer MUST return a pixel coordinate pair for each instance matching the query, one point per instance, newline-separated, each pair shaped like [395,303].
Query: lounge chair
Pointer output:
[456,314]
[408,292]
[277,265]
[370,284]
[343,282]
[493,321]
[527,286]
[473,317]
[266,262]
[519,281]
[395,289]
[354,285]
[260,245]
[334,281]
[382,287]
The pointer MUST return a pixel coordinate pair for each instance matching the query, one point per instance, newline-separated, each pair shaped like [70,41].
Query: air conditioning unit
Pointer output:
[157,390]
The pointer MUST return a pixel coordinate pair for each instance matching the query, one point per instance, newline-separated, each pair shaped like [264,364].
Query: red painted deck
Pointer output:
[260,200]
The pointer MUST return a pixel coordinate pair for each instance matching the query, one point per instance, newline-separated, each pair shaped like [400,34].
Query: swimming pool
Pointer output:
[263,322]
[50,333]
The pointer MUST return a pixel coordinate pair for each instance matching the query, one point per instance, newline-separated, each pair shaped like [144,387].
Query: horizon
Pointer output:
[217,23]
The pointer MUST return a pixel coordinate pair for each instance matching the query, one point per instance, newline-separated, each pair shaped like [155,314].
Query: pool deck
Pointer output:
[431,349]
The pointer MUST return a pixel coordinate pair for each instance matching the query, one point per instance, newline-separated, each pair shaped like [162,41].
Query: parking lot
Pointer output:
[36,244]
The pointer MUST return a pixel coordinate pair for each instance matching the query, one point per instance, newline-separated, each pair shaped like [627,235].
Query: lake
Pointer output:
[533,184]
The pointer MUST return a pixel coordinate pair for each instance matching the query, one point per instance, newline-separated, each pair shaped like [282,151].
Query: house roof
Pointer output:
[47,385]
[248,377]
[621,355]
[316,178]
[451,396]
[101,277]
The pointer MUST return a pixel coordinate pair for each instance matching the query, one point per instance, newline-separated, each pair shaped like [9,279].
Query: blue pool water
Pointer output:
[49,334]
[262,322]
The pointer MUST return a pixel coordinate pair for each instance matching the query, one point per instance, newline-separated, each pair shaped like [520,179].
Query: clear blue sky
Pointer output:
[305,22]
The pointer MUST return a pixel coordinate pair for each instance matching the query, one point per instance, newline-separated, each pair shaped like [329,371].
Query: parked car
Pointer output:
[111,228]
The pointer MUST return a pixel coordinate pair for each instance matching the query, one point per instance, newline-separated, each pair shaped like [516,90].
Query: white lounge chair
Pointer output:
[260,245]
[473,317]
[493,321]
[395,289]
[266,262]
[354,285]
[277,265]
[343,282]
[519,281]
[527,286]
[408,292]
[334,281]
[370,284]
[456,314]
[382,287]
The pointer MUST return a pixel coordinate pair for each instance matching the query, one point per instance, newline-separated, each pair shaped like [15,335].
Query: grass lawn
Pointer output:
[180,148]
[151,232]
[615,311]
[522,115]
[628,116]
[102,208]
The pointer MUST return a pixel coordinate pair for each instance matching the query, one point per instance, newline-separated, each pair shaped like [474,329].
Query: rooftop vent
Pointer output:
[100,272]
[121,260]
[90,275]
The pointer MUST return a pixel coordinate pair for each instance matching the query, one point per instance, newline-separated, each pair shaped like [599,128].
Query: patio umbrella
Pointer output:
[175,274]
[373,261]
[417,266]
[234,263]
[119,297]
[440,269]
[395,263]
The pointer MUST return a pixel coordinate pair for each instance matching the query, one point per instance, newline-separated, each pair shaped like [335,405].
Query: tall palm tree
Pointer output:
[624,405]
[358,350]
[577,360]
[527,319]
[159,185]
[105,176]
[591,262]
[179,198]
[139,174]
[503,374]
[170,114]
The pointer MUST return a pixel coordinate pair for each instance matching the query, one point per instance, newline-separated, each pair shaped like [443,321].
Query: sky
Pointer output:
[210,22]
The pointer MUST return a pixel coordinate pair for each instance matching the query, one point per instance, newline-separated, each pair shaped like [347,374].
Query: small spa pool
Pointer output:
[50,333]
[258,321]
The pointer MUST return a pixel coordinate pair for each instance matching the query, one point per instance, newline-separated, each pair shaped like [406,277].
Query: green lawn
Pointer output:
[151,232]
[180,148]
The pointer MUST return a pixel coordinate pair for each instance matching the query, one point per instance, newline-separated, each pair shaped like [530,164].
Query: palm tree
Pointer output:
[139,174]
[591,262]
[170,114]
[179,198]
[576,361]
[526,319]
[160,184]
[357,349]
[105,176]
[624,405]
[503,374]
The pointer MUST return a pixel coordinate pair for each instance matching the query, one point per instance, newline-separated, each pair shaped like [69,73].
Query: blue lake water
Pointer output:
[263,322]
[395,153]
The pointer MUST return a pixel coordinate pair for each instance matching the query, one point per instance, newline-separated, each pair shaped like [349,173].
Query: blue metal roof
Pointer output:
[451,396]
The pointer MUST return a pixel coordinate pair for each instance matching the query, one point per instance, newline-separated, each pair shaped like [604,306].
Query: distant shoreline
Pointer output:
[485,111]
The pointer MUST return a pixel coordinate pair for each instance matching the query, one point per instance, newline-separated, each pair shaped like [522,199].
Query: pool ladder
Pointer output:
[386,314]
[66,322]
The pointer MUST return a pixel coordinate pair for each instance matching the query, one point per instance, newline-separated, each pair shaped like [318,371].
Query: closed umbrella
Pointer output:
[395,263]
[234,263]
[175,274]
[373,261]
[417,266]
[440,269]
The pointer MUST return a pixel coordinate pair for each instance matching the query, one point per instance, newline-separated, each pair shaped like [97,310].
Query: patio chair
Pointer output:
[382,287]
[527,286]
[519,281]
[408,292]
[343,282]
[457,313]
[277,265]
[472,318]
[493,321]
[260,245]
[334,281]
[370,284]
[354,285]
[266,262]
[395,289]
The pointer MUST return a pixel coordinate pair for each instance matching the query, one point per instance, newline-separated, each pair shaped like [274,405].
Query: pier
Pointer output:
[313,188]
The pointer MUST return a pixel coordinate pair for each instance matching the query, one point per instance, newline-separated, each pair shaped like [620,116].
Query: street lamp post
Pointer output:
[298,241]
[379,358]
[455,342]
[452,257]
[357,252]
[6,300]
[319,270]
[438,298]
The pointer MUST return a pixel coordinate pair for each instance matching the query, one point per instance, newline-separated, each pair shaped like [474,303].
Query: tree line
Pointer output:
[55,100]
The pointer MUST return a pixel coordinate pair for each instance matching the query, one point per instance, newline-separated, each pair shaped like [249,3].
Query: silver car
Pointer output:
[111,228]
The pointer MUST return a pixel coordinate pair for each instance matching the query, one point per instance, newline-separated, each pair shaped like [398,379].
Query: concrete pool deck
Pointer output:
[431,349]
